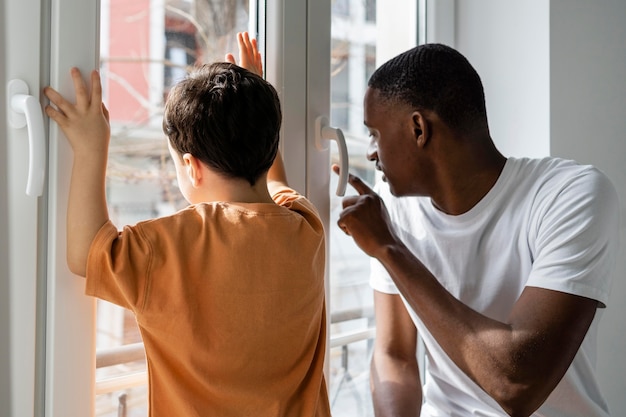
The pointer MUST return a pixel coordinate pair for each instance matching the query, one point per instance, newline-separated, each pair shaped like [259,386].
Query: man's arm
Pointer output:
[517,362]
[86,126]
[394,374]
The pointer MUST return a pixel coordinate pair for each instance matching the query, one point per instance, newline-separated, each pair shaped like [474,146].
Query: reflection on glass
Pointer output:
[353,59]
[146,46]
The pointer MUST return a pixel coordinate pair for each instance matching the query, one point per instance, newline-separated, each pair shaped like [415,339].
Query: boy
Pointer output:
[229,292]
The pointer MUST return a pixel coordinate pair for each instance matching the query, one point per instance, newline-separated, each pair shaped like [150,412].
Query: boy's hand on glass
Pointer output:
[249,55]
[86,122]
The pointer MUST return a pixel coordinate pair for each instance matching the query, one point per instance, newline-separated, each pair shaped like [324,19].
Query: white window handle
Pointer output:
[25,110]
[324,132]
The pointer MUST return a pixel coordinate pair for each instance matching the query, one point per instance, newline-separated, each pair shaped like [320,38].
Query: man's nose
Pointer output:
[372,151]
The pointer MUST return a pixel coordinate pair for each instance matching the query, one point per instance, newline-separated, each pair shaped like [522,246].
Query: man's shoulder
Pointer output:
[550,166]
[554,173]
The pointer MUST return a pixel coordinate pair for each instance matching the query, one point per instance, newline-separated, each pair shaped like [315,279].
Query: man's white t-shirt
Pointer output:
[548,223]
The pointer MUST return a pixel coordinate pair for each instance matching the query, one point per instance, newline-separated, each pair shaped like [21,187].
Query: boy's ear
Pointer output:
[421,128]
[194,169]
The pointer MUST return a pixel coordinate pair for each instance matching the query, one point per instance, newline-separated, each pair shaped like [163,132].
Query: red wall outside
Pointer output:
[129,42]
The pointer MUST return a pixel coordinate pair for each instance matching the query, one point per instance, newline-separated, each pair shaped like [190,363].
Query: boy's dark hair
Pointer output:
[226,116]
[438,78]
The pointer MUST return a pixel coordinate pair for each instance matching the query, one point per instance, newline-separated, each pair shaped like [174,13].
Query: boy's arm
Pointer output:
[86,126]
[277,176]
[249,55]
[250,59]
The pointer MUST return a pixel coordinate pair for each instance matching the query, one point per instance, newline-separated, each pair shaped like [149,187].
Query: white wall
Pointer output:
[507,43]
[588,123]
[555,83]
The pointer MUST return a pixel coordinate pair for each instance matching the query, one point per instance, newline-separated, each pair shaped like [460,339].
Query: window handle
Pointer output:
[324,132]
[25,110]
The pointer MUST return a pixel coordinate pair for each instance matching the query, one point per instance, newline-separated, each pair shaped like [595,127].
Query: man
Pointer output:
[500,264]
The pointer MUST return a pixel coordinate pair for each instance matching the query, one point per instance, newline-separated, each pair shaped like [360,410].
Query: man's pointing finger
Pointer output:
[358,184]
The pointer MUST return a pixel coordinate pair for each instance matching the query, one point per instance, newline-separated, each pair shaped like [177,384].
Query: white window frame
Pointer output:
[51,361]
[22,267]
[70,329]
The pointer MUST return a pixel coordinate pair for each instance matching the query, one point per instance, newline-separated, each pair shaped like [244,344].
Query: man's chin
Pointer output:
[393,190]
[398,193]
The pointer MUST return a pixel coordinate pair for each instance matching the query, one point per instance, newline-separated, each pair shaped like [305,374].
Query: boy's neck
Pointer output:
[234,190]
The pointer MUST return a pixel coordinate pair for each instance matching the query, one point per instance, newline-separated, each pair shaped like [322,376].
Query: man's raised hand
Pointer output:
[365,218]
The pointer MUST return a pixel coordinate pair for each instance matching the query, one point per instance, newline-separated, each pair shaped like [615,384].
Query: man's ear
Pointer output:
[421,128]
[194,169]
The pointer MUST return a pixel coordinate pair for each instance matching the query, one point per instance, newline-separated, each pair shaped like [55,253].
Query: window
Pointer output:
[145,45]
[141,182]
[352,320]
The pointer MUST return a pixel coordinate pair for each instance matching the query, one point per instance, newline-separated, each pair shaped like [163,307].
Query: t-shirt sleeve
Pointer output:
[291,199]
[577,238]
[380,280]
[118,266]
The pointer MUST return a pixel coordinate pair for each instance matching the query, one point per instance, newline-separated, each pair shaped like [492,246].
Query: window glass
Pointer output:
[146,46]
[353,59]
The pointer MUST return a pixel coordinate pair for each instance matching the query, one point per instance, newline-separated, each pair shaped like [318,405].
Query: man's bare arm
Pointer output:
[394,374]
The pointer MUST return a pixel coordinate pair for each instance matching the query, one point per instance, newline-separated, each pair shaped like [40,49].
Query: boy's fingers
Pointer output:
[246,40]
[256,55]
[82,98]
[96,87]
[230,58]
[105,111]
[55,115]
[53,96]
[57,99]
[243,50]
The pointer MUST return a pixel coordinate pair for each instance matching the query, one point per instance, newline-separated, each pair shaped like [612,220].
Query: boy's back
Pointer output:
[229,298]
[228,293]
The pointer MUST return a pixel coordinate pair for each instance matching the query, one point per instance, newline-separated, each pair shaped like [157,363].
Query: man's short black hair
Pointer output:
[226,116]
[438,78]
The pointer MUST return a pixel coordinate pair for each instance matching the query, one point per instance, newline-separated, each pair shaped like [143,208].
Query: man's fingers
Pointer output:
[349,201]
[343,227]
[358,184]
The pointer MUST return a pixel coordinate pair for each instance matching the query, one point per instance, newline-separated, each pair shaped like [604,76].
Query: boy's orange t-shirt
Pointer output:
[229,298]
